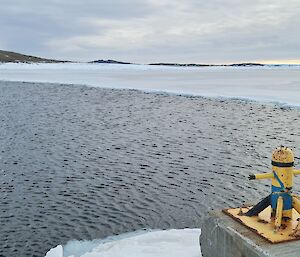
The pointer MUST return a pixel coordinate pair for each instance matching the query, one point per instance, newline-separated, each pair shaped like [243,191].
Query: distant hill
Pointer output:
[180,64]
[109,61]
[6,56]
[246,64]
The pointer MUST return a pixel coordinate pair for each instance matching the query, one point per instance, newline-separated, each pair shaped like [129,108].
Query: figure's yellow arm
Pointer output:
[264,175]
[296,172]
[261,176]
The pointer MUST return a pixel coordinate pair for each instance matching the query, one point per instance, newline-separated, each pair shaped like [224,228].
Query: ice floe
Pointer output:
[159,243]
[268,84]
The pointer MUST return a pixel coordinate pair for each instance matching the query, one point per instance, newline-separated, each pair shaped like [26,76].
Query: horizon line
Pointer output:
[257,61]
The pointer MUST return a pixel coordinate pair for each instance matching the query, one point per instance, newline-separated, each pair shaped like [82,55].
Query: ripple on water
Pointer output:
[85,163]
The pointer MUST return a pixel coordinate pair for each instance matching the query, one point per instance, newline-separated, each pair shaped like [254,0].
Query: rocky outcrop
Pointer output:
[6,56]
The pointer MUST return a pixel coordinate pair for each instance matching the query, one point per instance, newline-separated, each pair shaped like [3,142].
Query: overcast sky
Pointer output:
[198,31]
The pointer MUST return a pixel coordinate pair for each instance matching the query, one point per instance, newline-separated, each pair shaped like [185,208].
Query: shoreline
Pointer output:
[161,92]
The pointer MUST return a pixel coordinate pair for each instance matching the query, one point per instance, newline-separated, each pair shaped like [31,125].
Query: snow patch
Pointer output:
[265,84]
[166,243]
[55,252]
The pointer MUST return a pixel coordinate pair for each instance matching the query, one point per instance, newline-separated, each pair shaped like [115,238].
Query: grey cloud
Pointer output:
[153,30]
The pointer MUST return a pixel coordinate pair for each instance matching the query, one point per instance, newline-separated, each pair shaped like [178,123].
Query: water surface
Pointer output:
[84,163]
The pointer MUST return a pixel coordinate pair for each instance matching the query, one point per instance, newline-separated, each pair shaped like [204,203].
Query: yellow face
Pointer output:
[283,155]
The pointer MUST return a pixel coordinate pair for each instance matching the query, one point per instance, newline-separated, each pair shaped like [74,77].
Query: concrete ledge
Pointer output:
[221,236]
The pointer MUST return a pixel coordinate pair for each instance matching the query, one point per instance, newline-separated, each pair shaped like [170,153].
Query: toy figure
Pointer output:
[281,199]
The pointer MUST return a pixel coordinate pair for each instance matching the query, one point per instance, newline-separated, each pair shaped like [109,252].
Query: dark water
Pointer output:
[85,163]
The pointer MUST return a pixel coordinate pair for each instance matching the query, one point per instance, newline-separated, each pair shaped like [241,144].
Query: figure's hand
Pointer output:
[251,177]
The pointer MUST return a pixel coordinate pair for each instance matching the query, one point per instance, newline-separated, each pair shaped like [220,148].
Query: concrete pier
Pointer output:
[221,236]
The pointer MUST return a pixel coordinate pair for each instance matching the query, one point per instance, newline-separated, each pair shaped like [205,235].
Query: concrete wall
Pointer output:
[221,236]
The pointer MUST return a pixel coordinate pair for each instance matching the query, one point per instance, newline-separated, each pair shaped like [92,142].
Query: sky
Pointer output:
[147,31]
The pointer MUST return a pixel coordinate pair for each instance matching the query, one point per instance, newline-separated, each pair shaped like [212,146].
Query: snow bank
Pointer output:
[175,243]
[268,84]
[55,252]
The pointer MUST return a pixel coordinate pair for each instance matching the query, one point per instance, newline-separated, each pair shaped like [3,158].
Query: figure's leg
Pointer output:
[287,212]
[279,210]
[263,204]
[296,204]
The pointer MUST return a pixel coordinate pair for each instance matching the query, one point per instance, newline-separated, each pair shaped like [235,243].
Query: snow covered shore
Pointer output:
[267,84]
[175,243]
